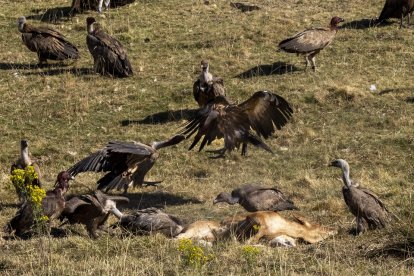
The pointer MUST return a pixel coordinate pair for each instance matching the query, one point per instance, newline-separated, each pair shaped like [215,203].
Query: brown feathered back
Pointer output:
[396,9]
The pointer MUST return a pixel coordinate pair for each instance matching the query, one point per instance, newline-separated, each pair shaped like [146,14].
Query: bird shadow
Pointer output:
[364,23]
[52,15]
[158,200]
[277,68]
[163,117]
[13,66]
[59,71]
[395,90]
[397,250]
[9,205]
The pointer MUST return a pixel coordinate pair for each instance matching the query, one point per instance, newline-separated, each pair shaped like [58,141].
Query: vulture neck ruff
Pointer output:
[345,175]
[24,155]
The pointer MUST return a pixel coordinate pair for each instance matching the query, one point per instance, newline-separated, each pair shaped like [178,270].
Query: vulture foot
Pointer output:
[220,153]
[151,183]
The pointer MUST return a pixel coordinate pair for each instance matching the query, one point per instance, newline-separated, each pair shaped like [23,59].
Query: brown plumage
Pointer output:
[108,54]
[46,42]
[255,198]
[80,6]
[126,163]
[92,210]
[369,210]
[202,230]
[207,87]
[397,9]
[150,221]
[52,206]
[264,112]
[22,162]
[244,7]
[310,42]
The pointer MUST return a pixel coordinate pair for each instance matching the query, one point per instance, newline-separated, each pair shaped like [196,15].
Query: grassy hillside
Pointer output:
[67,112]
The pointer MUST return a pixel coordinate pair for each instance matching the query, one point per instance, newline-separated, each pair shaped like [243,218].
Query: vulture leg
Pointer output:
[307,62]
[312,60]
[244,149]
[360,227]
[42,60]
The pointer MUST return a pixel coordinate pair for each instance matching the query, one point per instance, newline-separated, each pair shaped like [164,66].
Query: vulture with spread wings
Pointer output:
[264,112]
[108,53]
[46,42]
[126,163]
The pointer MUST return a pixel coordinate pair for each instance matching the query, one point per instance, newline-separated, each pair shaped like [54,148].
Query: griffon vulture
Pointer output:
[397,9]
[206,88]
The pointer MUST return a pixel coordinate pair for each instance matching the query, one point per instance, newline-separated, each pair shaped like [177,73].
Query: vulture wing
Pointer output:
[266,112]
[378,201]
[218,120]
[203,94]
[308,41]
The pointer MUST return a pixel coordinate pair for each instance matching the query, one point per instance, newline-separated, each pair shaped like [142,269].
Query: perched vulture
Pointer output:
[310,42]
[264,112]
[255,198]
[368,209]
[52,206]
[397,9]
[108,54]
[80,6]
[92,210]
[206,88]
[151,220]
[22,162]
[126,163]
[46,42]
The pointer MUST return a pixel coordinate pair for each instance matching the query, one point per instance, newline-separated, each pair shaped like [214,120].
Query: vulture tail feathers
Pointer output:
[256,141]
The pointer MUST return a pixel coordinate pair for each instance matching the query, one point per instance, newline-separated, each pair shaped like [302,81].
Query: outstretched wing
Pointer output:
[218,120]
[266,112]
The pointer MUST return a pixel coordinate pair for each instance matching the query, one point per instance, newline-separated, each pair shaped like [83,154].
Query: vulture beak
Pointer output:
[215,201]
[71,177]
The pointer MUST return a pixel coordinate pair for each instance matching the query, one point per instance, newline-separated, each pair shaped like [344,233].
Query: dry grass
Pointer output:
[66,112]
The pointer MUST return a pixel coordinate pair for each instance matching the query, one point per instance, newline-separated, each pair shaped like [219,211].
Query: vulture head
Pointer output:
[23,143]
[335,21]
[89,24]
[62,181]
[340,163]
[226,197]
[204,65]
[21,21]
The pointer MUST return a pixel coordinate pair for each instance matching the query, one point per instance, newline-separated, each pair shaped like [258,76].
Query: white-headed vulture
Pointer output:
[255,198]
[108,54]
[397,9]
[368,209]
[46,42]
[264,112]
[206,88]
[92,210]
[310,42]
[126,163]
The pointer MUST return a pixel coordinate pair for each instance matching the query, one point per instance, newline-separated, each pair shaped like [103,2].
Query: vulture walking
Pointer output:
[22,162]
[254,198]
[52,206]
[92,210]
[264,112]
[108,54]
[126,163]
[368,209]
[310,42]
[151,220]
[46,42]
[206,88]
[397,9]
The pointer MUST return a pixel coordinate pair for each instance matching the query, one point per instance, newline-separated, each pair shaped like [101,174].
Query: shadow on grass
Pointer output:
[157,199]
[13,66]
[163,117]
[51,15]
[401,250]
[364,23]
[395,90]
[277,68]
[9,205]
[59,71]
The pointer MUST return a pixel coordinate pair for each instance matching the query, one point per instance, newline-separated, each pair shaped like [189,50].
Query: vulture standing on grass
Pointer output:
[310,42]
[22,162]
[126,163]
[206,88]
[108,54]
[46,42]
[397,9]
[264,112]
[52,206]
[92,210]
[368,209]
[151,220]
[254,198]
